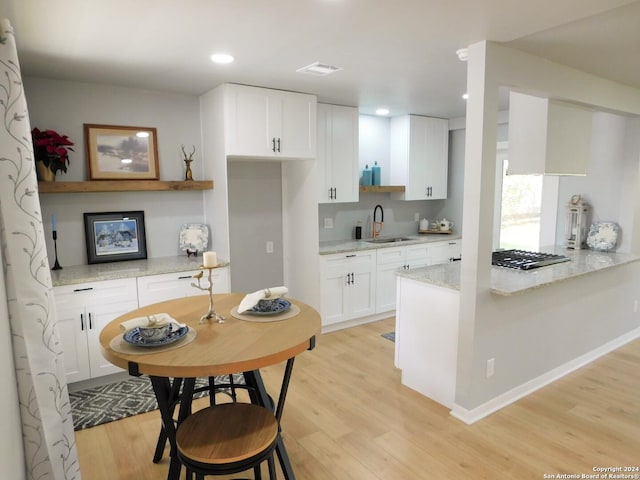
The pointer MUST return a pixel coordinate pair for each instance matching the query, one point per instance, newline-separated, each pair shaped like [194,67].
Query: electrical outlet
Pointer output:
[416,217]
[269,246]
[491,366]
[328,223]
[635,306]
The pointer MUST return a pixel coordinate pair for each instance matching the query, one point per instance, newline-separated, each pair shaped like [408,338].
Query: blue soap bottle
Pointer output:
[366,176]
[375,174]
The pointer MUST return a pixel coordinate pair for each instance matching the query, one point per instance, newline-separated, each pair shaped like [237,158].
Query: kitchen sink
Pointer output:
[389,240]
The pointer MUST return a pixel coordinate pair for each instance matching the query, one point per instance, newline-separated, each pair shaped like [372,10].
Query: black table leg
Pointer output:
[162,389]
[174,395]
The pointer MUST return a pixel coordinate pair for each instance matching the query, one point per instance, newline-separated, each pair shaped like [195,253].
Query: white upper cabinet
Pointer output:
[548,137]
[264,123]
[337,154]
[419,157]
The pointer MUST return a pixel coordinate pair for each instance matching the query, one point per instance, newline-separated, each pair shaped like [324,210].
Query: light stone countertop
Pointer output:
[507,281]
[134,268]
[342,246]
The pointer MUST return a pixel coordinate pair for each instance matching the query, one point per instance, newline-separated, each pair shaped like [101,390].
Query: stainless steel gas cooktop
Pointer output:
[523,260]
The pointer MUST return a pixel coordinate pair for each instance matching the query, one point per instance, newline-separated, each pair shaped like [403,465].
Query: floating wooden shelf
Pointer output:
[382,188]
[124,186]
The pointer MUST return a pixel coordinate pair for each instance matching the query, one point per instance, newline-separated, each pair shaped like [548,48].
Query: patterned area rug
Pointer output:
[390,336]
[106,403]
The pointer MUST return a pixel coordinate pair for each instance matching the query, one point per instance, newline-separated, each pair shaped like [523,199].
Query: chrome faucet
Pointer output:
[377,226]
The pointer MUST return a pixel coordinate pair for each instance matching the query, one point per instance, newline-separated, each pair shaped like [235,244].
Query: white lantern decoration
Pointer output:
[575,232]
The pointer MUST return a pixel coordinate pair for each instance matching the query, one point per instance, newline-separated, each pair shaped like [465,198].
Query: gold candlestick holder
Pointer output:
[211,313]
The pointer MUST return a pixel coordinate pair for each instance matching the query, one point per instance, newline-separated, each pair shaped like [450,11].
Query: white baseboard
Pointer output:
[501,401]
[357,321]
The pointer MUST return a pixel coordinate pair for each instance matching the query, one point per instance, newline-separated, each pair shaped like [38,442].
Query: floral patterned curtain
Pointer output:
[47,426]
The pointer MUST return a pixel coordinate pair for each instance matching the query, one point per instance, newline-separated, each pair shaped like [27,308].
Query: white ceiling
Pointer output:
[394,53]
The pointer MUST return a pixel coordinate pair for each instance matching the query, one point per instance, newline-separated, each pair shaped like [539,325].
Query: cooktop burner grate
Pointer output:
[523,260]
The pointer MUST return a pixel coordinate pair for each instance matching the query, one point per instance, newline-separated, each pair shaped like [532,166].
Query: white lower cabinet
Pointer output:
[165,286]
[83,310]
[347,286]
[443,252]
[390,260]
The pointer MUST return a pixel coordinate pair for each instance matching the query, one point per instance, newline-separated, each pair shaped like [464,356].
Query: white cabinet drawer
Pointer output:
[96,293]
[390,255]
[166,286]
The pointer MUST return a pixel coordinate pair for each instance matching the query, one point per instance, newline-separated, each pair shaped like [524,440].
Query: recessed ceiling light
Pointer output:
[382,111]
[319,69]
[222,58]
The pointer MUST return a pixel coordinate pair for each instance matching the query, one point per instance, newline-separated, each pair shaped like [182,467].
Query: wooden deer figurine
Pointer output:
[187,160]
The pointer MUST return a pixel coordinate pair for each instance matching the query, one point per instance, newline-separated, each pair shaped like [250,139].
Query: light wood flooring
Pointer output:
[348,417]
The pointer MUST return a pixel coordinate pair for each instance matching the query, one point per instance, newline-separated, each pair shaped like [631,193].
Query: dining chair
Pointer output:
[228,438]
[213,385]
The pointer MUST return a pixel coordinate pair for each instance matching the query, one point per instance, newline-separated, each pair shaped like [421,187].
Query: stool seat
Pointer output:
[227,434]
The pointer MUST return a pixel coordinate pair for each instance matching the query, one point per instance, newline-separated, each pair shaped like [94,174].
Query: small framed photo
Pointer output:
[121,153]
[115,236]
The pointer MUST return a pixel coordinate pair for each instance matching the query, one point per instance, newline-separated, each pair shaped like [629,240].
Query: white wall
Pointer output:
[607,172]
[255,217]
[66,106]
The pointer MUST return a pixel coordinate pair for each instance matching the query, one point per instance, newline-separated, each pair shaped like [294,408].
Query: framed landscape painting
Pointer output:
[115,236]
[121,153]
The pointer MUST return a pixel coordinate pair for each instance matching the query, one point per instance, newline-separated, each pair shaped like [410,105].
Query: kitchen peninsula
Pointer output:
[535,307]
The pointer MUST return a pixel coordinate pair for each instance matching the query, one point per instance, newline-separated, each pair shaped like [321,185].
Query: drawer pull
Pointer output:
[185,276]
[351,256]
[83,289]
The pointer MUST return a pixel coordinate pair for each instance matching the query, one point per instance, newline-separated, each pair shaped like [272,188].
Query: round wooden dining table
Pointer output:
[234,346]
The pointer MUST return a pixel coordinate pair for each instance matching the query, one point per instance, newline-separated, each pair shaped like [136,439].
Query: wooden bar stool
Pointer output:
[228,438]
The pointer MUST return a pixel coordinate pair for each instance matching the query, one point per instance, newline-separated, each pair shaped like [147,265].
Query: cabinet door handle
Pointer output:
[348,279]
[82,322]
[83,289]
[278,145]
[273,144]
[353,279]
[335,193]
[90,322]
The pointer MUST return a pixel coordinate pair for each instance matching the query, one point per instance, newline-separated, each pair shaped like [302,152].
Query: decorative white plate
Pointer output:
[134,338]
[194,237]
[282,306]
[603,236]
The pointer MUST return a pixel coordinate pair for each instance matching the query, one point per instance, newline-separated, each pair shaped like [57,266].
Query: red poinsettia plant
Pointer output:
[51,148]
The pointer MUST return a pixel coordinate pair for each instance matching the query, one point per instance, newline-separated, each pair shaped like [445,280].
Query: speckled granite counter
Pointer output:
[506,281]
[342,246]
[134,268]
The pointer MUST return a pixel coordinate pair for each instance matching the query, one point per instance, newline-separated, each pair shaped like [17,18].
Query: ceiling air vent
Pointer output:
[319,69]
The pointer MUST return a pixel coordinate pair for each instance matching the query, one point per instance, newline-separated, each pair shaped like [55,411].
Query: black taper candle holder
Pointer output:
[56,265]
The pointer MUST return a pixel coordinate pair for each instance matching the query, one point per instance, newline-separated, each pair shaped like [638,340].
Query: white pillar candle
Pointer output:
[210,259]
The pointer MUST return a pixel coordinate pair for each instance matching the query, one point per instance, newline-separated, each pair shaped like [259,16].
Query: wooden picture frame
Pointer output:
[121,153]
[115,236]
